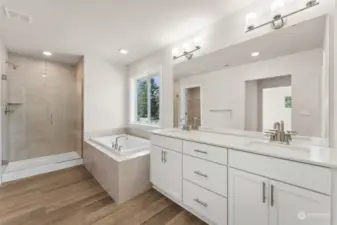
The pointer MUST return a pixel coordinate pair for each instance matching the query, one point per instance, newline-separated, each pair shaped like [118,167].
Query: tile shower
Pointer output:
[44,109]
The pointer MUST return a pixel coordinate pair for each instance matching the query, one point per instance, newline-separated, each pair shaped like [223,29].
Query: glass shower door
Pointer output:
[4,118]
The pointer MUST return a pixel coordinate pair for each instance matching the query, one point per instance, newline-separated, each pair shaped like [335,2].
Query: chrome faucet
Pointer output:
[195,123]
[115,145]
[279,135]
[184,126]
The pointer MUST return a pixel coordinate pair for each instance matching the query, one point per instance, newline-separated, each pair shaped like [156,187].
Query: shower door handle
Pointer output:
[8,109]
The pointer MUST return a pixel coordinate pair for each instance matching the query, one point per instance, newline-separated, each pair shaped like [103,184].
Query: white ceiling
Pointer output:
[304,36]
[102,27]
[56,57]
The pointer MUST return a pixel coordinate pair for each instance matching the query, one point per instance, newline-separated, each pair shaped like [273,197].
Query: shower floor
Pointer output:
[31,167]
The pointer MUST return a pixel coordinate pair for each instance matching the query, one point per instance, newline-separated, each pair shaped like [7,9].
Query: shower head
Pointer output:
[14,66]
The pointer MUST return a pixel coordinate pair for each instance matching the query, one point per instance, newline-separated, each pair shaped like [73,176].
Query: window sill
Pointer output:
[144,125]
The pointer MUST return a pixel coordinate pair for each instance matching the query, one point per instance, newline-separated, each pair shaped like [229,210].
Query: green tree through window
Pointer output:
[142,98]
[148,100]
[154,94]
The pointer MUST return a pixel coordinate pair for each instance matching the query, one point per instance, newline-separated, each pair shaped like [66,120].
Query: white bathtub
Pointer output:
[128,145]
[123,174]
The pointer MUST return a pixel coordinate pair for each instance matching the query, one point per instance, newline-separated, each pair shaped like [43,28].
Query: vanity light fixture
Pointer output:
[46,53]
[123,51]
[255,54]
[188,51]
[277,13]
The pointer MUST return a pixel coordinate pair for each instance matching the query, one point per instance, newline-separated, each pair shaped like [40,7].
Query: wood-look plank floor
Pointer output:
[73,197]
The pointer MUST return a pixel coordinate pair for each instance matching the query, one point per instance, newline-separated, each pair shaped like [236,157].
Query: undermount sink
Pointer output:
[277,145]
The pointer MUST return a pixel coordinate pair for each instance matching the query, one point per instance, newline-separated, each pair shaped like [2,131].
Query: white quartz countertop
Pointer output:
[315,155]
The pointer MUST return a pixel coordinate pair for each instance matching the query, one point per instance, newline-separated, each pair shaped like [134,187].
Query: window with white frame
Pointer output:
[147,99]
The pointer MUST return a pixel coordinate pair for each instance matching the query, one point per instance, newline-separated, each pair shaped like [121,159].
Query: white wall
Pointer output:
[328,81]
[104,95]
[225,89]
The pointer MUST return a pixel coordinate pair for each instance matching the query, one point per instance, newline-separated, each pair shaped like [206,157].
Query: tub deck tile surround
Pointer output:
[73,197]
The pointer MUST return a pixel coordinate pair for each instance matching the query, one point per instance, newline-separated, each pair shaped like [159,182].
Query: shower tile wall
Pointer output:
[46,121]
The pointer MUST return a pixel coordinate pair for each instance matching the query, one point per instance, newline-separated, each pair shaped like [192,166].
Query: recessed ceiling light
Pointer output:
[123,51]
[255,54]
[47,53]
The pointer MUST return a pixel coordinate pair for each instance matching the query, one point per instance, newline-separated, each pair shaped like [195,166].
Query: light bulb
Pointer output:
[187,47]
[197,41]
[175,52]
[123,51]
[310,3]
[277,9]
[251,20]
[47,53]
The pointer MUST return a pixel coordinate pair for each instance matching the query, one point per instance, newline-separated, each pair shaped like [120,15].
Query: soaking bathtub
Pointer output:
[123,174]
[128,144]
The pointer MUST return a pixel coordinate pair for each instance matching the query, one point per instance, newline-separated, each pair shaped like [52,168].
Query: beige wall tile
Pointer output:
[48,120]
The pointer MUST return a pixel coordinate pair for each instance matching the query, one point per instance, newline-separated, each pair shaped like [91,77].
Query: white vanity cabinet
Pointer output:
[292,205]
[166,171]
[227,186]
[268,202]
[247,198]
[193,175]
[166,166]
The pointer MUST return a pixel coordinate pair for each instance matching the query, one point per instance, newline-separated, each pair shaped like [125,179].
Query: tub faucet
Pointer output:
[116,141]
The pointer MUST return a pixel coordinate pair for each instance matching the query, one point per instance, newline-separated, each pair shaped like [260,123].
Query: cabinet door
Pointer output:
[166,171]
[290,205]
[248,198]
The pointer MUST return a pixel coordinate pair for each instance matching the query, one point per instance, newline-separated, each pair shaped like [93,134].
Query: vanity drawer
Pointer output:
[168,143]
[211,206]
[208,152]
[209,175]
[303,175]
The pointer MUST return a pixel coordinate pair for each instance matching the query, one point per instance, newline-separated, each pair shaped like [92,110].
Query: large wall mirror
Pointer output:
[287,81]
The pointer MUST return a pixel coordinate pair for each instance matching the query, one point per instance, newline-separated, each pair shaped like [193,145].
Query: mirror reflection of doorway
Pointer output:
[276,107]
[193,106]
[268,100]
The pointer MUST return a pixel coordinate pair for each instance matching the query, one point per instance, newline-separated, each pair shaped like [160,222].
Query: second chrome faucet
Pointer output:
[278,134]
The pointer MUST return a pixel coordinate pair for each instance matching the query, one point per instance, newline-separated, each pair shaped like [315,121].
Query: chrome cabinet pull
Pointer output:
[164,159]
[264,192]
[201,202]
[201,174]
[51,119]
[162,156]
[272,200]
[199,151]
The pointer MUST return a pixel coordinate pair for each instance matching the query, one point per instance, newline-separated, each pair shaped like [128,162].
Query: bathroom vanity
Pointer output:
[236,180]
